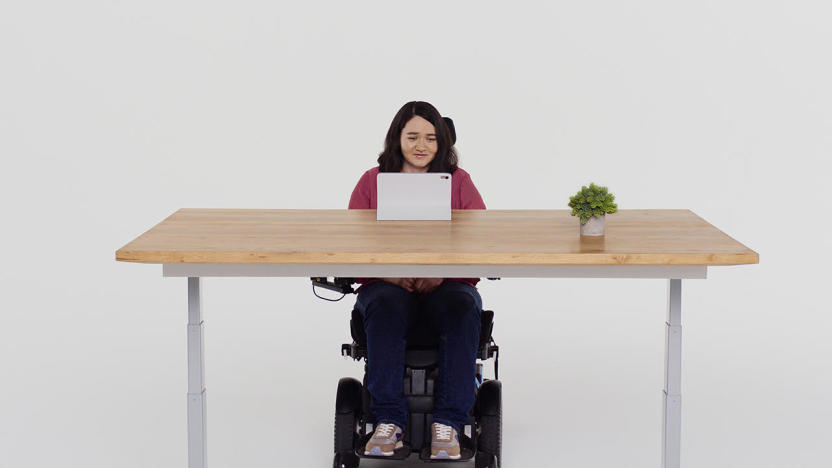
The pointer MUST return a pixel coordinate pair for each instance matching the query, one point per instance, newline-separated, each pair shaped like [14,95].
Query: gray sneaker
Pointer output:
[444,442]
[386,439]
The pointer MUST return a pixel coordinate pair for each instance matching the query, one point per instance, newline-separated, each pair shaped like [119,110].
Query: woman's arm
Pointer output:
[360,198]
[469,196]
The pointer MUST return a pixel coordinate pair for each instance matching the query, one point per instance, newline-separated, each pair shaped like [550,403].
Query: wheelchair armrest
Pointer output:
[354,351]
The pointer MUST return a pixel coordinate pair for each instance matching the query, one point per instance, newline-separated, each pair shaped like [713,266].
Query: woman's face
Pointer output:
[419,145]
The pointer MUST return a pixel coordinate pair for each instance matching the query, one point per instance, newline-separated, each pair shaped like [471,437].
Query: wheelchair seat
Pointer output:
[422,343]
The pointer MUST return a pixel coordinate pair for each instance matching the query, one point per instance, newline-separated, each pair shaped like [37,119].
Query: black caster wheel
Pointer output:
[347,412]
[490,446]
[486,460]
[345,460]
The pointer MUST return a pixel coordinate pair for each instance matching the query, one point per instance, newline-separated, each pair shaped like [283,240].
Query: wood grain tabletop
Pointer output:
[472,237]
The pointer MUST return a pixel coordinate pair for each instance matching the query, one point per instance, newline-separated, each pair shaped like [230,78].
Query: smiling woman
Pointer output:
[419,140]
[418,145]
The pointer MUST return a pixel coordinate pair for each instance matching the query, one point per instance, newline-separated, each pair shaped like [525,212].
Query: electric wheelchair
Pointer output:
[481,438]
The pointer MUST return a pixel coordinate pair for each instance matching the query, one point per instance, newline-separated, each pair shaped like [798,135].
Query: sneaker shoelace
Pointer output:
[443,432]
[385,430]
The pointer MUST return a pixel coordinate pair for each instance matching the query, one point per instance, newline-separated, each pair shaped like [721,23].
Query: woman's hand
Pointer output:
[426,285]
[406,283]
[419,285]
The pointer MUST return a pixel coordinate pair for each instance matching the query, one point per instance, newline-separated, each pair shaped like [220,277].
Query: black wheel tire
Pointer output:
[344,433]
[485,460]
[345,460]
[490,442]
[347,413]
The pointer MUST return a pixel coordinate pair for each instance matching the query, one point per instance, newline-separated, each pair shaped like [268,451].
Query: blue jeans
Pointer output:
[453,311]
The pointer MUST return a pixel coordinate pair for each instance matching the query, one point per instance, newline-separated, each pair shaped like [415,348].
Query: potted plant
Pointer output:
[590,204]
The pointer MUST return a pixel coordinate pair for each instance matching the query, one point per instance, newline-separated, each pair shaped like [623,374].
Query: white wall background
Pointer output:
[115,114]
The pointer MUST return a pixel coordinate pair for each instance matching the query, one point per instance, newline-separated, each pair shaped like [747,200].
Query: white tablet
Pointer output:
[408,197]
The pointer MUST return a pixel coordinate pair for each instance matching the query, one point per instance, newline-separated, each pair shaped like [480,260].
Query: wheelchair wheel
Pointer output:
[490,411]
[347,413]
[485,460]
[345,460]
[344,433]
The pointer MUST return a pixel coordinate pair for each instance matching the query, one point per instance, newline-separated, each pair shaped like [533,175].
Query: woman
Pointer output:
[419,140]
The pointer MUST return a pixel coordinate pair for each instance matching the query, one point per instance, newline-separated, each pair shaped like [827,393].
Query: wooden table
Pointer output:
[668,244]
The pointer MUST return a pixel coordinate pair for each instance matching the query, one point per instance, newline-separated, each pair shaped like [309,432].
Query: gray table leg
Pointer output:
[672,421]
[196,378]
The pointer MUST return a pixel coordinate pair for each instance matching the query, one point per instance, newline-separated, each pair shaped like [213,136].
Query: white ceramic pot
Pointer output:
[593,227]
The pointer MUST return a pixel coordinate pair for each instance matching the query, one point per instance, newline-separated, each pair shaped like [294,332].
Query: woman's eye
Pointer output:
[411,138]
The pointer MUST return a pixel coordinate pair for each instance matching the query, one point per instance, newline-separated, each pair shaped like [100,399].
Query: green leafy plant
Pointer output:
[592,201]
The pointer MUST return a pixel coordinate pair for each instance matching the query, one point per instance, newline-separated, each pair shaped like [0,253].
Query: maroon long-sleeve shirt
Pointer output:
[464,196]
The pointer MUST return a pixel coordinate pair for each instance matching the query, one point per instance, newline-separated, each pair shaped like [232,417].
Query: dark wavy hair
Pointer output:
[392,159]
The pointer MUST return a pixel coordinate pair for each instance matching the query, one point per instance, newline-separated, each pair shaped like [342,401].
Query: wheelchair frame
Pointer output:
[482,435]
